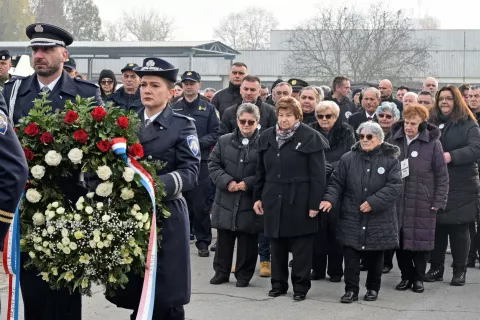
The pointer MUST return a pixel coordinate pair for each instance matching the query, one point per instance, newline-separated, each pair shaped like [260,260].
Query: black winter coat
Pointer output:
[425,187]
[290,181]
[232,161]
[226,98]
[309,118]
[347,107]
[127,101]
[462,140]
[374,177]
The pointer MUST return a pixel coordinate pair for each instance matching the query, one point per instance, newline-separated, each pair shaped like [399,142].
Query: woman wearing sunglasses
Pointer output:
[460,138]
[341,139]
[107,83]
[367,182]
[232,166]
[290,182]
[387,114]
[425,191]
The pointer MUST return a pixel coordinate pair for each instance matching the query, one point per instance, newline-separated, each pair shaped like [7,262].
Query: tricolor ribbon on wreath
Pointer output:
[145,309]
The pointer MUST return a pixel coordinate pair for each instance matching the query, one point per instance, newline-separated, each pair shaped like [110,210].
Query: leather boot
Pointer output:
[434,274]
[459,275]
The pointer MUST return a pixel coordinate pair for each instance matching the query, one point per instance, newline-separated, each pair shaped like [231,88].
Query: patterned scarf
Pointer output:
[284,135]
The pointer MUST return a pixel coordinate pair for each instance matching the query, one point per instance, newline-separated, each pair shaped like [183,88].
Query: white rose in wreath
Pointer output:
[128,174]
[104,173]
[33,195]
[127,194]
[75,155]
[53,158]
[38,219]
[38,171]
[104,189]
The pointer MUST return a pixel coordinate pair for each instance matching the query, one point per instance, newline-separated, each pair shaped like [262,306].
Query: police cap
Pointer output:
[157,67]
[191,75]
[47,35]
[297,84]
[129,67]
[4,55]
[70,64]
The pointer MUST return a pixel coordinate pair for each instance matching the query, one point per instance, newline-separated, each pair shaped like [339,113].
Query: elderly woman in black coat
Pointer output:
[232,166]
[461,145]
[341,139]
[425,191]
[289,186]
[368,182]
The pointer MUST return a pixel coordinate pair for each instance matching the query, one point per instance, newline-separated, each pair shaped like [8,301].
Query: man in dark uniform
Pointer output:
[48,44]
[71,67]
[128,96]
[5,65]
[206,122]
[172,139]
[297,85]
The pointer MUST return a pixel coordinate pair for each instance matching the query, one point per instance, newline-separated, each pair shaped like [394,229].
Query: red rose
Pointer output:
[136,150]
[16,130]
[81,136]
[28,154]
[70,117]
[32,129]
[104,145]
[46,138]
[122,122]
[98,113]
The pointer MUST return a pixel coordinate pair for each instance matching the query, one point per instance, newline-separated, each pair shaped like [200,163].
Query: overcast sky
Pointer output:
[196,19]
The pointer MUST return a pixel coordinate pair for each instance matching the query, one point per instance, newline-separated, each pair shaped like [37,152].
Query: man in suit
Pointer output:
[371,100]
[48,44]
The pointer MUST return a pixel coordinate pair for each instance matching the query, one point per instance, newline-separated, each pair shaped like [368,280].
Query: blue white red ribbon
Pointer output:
[11,264]
[147,301]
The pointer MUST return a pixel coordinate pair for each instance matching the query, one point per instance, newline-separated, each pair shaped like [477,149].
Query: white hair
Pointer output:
[372,127]
[411,94]
[375,90]
[325,105]
[430,78]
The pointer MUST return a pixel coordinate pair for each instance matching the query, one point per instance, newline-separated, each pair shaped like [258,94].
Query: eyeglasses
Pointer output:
[368,136]
[450,99]
[249,122]
[106,81]
[324,116]
[382,115]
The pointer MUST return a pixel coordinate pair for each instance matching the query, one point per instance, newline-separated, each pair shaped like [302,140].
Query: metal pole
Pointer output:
[464,54]
[90,68]
[190,61]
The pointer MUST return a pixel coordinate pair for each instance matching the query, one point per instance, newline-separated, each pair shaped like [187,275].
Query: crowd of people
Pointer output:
[342,179]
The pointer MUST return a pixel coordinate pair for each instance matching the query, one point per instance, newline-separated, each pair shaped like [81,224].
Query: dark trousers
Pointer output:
[166,313]
[42,303]
[459,244]
[474,242]
[412,264]
[247,250]
[197,200]
[388,258]
[373,261]
[327,248]
[302,250]
[263,247]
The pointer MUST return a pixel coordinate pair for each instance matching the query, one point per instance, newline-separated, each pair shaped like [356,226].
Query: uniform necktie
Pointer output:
[46,90]
[147,122]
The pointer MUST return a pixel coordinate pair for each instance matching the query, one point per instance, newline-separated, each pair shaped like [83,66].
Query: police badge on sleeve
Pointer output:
[3,123]
[193,144]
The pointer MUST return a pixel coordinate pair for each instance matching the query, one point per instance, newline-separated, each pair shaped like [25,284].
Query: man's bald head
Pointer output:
[386,89]
[430,84]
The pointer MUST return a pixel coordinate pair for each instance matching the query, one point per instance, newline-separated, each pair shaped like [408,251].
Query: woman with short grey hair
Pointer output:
[387,114]
[366,182]
[249,108]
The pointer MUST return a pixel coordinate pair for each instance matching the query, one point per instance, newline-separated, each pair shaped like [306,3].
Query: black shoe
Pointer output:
[316,276]
[471,263]
[459,275]
[276,293]
[349,297]
[418,287]
[404,285]
[298,296]
[386,269]
[371,295]
[241,283]
[362,267]
[434,274]
[290,263]
[217,279]
[214,247]
[192,237]
[203,252]
[335,279]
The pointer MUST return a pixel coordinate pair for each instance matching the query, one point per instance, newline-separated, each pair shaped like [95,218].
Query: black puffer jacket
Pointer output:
[232,161]
[226,98]
[374,177]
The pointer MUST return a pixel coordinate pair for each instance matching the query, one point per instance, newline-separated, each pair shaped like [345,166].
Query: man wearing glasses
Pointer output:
[128,96]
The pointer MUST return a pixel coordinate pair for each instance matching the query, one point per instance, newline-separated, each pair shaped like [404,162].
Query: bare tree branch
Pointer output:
[114,32]
[148,25]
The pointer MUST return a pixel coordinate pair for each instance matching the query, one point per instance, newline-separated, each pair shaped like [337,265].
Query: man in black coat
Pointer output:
[386,89]
[48,44]
[128,96]
[370,102]
[206,122]
[250,91]
[231,95]
[341,90]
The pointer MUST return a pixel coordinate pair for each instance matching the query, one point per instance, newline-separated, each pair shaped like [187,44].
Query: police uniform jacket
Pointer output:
[171,139]
[67,88]
[206,121]
[127,101]
[226,98]
[268,117]
[13,171]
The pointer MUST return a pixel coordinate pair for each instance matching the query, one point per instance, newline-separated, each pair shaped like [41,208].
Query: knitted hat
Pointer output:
[106,74]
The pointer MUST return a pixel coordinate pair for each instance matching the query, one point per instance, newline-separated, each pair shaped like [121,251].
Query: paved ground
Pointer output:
[440,301]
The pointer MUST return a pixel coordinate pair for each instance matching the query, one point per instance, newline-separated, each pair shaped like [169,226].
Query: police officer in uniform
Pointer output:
[206,122]
[128,96]
[70,65]
[172,139]
[48,44]
[297,86]
[5,65]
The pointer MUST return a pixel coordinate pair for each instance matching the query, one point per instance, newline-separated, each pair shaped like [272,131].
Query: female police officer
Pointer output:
[172,139]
